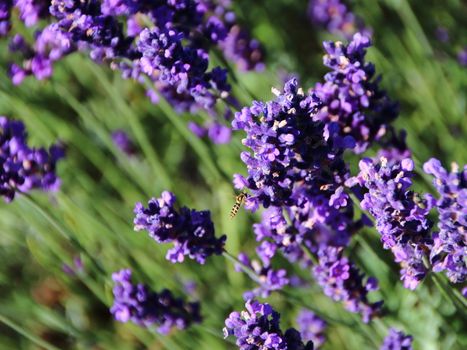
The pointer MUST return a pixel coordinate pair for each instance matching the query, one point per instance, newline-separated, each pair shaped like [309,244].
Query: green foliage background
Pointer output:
[91,217]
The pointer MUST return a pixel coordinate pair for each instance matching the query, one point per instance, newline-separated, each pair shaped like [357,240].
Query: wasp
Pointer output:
[239,199]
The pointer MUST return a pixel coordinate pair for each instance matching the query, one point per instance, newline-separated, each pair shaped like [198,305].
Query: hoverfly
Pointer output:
[239,199]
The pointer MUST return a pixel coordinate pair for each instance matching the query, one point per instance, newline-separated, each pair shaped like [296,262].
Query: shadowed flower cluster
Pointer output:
[31,11]
[191,231]
[449,250]
[311,328]
[401,215]
[146,308]
[23,168]
[342,281]
[296,170]
[5,14]
[334,16]
[396,340]
[351,96]
[164,43]
[123,142]
[257,328]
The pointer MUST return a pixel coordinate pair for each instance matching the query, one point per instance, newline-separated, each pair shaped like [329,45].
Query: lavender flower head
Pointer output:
[240,48]
[123,142]
[180,66]
[334,16]
[449,251]
[5,13]
[462,56]
[396,340]
[146,308]
[311,327]
[30,11]
[342,281]
[190,231]
[257,328]
[401,215]
[288,148]
[23,168]
[351,96]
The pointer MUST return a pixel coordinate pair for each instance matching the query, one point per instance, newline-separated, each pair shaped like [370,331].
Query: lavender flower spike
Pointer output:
[401,215]
[191,231]
[342,281]
[450,244]
[334,16]
[23,168]
[138,304]
[311,327]
[396,340]
[123,142]
[257,328]
[351,96]
[5,13]
[288,148]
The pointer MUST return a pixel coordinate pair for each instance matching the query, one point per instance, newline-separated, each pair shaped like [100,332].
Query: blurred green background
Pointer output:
[83,103]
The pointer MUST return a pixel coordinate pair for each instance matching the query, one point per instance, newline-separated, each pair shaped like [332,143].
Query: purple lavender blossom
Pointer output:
[450,243]
[350,95]
[180,66]
[138,304]
[30,11]
[342,281]
[172,54]
[247,53]
[257,328]
[219,134]
[334,16]
[23,168]
[289,148]
[442,34]
[297,172]
[191,231]
[396,340]
[462,56]
[5,14]
[269,279]
[311,328]
[50,46]
[401,215]
[236,42]
[75,268]
[123,142]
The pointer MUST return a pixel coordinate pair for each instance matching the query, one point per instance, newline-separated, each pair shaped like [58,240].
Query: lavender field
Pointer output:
[233,174]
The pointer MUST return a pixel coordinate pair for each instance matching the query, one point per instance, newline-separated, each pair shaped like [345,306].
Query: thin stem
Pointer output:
[152,157]
[61,230]
[310,254]
[25,333]
[198,146]
[252,274]
[332,320]
[445,290]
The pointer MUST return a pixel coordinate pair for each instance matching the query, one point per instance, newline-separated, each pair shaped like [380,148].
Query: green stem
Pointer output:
[136,127]
[25,333]
[446,291]
[289,296]
[252,274]
[62,231]
[310,254]
[198,146]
